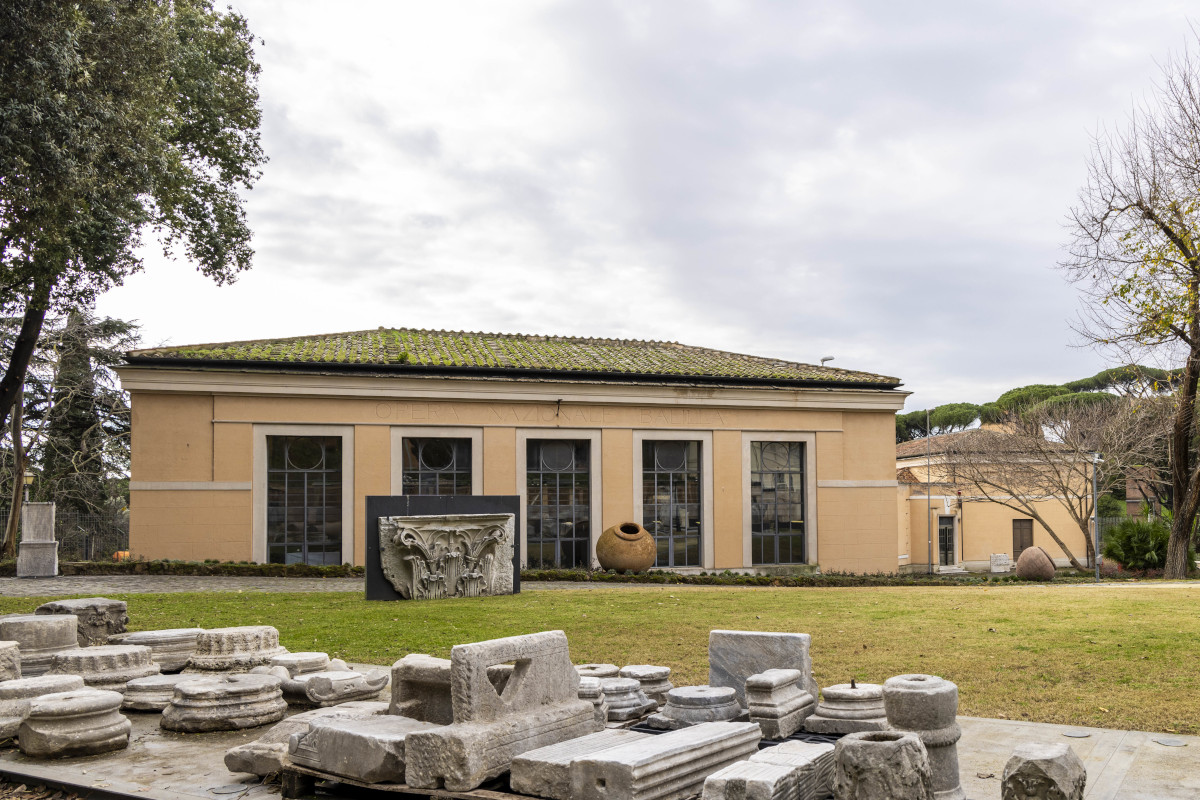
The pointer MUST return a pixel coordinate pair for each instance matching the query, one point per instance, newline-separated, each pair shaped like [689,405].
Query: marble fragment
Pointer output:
[108,666]
[747,780]
[265,755]
[546,771]
[171,648]
[667,766]
[39,637]
[421,689]
[625,699]
[873,765]
[591,690]
[328,688]
[227,703]
[10,661]
[812,762]
[849,709]
[238,649]
[655,680]
[154,692]
[598,670]
[430,557]
[1044,772]
[368,749]
[17,695]
[99,617]
[733,656]
[301,663]
[82,722]
[778,703]
[928,706]
[691,705]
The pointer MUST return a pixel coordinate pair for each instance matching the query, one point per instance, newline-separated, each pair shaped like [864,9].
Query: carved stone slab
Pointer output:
[99,617]
[546,772]
[449,555]
[733,656]
[265,755]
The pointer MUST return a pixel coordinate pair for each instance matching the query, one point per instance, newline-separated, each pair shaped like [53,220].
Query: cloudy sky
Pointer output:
[882,182]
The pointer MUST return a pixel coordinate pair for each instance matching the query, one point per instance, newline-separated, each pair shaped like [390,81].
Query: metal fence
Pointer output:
[86,537]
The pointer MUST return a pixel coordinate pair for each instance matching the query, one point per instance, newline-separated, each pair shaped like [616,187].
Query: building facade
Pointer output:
[265,451]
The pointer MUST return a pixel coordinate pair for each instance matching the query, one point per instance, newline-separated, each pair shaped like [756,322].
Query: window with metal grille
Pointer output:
[558,495]
[436,466]
[777,503]
[304,499]
[671,508]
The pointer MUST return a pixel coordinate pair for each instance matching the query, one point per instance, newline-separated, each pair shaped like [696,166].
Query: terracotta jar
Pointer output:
[626,546]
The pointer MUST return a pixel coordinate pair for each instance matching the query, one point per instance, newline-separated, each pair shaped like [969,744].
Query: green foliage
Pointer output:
[943,419]
[1139,544]
[1014,401]
[1110,506]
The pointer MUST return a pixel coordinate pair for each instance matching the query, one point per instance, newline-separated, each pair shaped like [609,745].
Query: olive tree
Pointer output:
[117,116]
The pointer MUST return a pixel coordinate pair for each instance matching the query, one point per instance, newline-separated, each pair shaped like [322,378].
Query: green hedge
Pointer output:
[228,568]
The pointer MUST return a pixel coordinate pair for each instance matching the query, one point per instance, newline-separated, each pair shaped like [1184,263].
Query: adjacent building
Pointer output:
[266,450]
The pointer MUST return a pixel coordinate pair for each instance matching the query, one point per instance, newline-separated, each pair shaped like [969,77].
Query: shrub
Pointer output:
[1139,544]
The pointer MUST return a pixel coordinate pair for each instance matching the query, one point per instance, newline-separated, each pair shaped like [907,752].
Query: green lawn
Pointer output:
[1110,657]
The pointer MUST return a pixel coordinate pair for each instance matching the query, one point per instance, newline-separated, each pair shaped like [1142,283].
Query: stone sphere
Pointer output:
[626,546]
[1035,564]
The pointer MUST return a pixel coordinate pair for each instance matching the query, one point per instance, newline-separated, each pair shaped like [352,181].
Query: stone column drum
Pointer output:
[655,680]
[228,703]
[874,765]
[237,649]
[154,692]
[692,705]
[109,666]
[99,617]
[625,699]
[170,648]
[84,722]
[17,695]
[39,637]
[849,709]
[928,706]
[590,690]
[598,670]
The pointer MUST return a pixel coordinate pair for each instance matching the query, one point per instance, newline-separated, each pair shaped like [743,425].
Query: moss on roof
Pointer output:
[498,352]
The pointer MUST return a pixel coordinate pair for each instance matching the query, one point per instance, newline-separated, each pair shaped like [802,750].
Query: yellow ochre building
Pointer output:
[266,450]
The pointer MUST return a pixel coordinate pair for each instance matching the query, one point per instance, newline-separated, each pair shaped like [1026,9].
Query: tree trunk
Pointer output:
[31,326]
[14,508]
[1183,481]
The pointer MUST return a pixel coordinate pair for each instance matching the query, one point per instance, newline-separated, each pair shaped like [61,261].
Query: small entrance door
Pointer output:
[1022,536]
[946,541]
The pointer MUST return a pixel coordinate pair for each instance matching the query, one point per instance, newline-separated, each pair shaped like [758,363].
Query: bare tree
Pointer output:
[1047,457]
[1136,254]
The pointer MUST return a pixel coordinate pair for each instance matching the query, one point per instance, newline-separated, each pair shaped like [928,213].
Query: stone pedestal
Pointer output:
[928,706]
[812,761]
[692,705]
[170,648]
[546,772]
[109,666]
[265,755]
[1050,771]
[233,702]
[849,709]
[591,690]
[598,670]
[39,637]
[778,703]
[37,556]
[154,692]
[10,661]
[369,749]
[747,780]
[17,695]
[84,722]
[99,617]
[873,765]
[235,649]
[625,699]
[655,680]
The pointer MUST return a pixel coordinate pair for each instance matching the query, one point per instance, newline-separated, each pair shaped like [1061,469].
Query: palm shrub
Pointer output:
[1139,544]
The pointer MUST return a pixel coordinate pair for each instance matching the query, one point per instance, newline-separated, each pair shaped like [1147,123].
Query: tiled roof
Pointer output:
[934,445]
[500,352]
[906,475]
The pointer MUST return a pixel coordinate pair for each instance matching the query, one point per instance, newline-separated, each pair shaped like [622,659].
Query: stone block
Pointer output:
[1000,563]
[38,638]
[37,552]
[1044,771]
[99,617]
[625,698]
[37,523]
[733,656]
[591,690]
[83,722]
[171,648]
[448,555]
[301,663]
[691,705]
[747,780]
[546,772]
[849,709]
[598,670]
[10,661]
[655,680]
[538,705]
[368,749]
[17,695]
[154,692]
[265,755]
[108,666]
[421,689]
[228,703]
[778,703]
[812,762]
[237,649]
[928,706]
[873,765]
[667,766]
